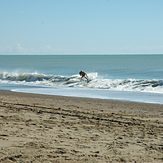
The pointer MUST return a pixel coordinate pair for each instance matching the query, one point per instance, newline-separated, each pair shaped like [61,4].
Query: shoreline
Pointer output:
[49,128]
[140,97]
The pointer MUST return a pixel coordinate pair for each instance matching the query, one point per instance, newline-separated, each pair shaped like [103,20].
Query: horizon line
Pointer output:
[43,53]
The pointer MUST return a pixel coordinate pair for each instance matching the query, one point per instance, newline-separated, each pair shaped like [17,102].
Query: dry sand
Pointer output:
[41,128]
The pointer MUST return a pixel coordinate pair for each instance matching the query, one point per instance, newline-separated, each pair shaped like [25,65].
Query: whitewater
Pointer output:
[75,81]
[111,77]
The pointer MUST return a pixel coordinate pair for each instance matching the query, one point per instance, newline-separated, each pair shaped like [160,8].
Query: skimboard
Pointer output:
[89,80]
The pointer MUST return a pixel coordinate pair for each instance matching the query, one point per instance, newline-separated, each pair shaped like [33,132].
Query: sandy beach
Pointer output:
[42,128]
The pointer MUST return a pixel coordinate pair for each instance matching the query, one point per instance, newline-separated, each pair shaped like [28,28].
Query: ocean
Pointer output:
[124,77]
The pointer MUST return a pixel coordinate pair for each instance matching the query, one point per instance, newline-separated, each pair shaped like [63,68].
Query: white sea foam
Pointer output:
[96,82]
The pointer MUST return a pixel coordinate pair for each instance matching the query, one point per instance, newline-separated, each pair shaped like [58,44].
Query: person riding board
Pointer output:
[83,75]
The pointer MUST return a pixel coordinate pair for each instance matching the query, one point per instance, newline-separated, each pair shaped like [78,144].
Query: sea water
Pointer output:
[124,77]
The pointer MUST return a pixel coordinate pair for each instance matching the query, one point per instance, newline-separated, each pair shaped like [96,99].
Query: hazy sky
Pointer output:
[81,26]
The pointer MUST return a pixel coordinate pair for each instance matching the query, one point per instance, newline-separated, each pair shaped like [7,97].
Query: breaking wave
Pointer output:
[96,82]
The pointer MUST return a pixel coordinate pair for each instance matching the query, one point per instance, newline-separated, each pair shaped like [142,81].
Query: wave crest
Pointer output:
[75,81]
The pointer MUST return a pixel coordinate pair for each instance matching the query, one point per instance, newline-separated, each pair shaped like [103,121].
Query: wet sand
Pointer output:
[42,128]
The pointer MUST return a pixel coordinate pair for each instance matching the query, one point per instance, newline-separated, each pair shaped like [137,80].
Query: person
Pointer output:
[83,75]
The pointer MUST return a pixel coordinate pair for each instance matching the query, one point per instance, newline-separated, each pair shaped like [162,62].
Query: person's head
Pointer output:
[80,73]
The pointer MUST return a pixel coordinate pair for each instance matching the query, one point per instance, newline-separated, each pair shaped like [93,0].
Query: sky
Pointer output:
[81,26]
